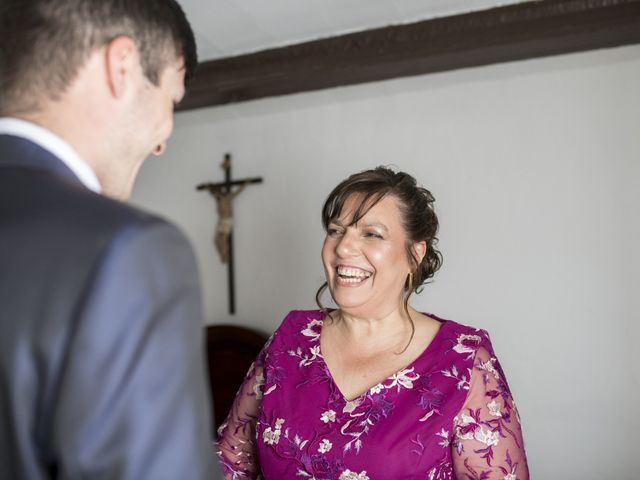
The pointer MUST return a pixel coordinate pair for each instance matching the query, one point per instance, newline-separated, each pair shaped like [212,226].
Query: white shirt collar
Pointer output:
[54,144]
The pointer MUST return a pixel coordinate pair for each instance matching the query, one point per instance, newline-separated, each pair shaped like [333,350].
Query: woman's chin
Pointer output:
[346,298]
[354,307]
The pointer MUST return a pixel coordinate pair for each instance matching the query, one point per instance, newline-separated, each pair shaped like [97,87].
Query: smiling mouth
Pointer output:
[351,275]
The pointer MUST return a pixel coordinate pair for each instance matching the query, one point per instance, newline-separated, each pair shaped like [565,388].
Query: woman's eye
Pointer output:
[372,235]
[332,232]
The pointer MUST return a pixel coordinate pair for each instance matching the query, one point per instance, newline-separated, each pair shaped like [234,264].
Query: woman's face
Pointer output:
[366,264]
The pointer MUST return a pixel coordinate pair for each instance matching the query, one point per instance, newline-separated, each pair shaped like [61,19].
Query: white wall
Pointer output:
[535,169]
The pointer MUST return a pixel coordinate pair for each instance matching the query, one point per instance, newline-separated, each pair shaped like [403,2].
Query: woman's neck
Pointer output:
[378,332]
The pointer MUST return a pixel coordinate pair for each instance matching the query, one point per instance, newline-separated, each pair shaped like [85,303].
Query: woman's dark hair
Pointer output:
[418,218]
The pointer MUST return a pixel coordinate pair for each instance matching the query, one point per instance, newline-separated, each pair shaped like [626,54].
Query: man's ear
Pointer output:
[121,58]
[419,251]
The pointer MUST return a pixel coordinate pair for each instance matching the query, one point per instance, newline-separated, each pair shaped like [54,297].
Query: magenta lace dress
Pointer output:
[447,415]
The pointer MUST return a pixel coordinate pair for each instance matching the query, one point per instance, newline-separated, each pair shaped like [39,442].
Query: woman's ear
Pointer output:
[419,250]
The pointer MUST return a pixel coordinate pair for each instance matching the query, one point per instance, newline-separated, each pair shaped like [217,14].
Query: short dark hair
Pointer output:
[43,43]
[416,209]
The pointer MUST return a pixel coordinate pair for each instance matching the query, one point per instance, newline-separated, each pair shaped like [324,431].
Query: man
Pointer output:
[101,368]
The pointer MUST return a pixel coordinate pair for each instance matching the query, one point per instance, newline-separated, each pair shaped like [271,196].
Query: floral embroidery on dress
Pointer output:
[463,380]
[306,359]
[325,446]
[319,467]
[445,438]
[469,427]
[258,386]
[403,378]
[351,405]
[368,411]
[467,344]
[442,471]
[311,331]
[494,408]
[349,475]
[430,397]
[272,436]
[513,466]
[328,416]
[489,367]
[315,466]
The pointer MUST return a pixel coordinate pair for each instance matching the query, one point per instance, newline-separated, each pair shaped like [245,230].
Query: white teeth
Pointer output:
[353,273]
[352,279]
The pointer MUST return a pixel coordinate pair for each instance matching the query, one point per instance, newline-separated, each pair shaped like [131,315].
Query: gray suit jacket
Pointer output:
[101,349]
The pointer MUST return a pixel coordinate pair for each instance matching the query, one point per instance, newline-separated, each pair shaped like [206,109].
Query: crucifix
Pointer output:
[224,193]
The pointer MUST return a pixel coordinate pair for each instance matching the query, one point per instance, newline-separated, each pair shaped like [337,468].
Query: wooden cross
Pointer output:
[224,194]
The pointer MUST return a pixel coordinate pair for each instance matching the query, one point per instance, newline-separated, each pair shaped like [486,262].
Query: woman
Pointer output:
[375,389]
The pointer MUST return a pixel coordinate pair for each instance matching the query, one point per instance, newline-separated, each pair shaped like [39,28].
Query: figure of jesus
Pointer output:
[224,199]
[224,226]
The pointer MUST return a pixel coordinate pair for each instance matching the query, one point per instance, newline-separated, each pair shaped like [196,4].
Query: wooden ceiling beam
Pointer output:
[503,34]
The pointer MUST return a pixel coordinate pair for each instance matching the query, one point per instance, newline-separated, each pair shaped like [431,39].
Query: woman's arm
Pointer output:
[236,436]
[487,436]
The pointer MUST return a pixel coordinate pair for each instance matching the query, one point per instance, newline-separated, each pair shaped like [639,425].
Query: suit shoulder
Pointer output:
[64,217]
[127,230]
[95,215]
[113,213]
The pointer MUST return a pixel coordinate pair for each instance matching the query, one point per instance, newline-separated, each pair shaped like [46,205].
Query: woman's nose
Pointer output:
[347,246]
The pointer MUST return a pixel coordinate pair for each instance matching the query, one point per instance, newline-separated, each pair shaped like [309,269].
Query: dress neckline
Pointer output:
[427,350]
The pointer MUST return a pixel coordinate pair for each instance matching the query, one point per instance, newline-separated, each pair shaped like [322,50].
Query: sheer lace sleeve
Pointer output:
[237,435]
[488,438]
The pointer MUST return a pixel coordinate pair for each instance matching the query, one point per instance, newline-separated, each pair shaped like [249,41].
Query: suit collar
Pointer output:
[54,144]
[19,152]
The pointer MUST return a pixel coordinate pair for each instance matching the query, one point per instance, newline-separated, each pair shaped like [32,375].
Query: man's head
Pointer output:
[46,42]
[109,69]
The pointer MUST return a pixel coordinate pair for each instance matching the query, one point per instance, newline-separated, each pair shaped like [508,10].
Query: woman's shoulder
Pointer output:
[295,325]
[464,337]
[297,318]
[300,321]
